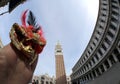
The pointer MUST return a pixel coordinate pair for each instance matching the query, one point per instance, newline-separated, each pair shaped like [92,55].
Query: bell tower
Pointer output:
[60,68]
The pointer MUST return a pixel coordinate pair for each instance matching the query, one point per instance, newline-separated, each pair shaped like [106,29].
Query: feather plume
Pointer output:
[32,20]
[23,18]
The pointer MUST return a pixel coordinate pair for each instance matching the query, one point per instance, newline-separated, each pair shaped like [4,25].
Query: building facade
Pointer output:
[60,68]
[43,79]
[1,45]
[100,62]
[69,80]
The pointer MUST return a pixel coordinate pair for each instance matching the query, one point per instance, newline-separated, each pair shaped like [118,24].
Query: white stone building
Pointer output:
[68,80]
[43,79]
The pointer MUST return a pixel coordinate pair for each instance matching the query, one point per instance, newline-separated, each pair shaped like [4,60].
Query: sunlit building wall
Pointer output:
[68,80]
[43,79]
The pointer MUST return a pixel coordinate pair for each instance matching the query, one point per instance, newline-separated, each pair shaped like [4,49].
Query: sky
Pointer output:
[71,22]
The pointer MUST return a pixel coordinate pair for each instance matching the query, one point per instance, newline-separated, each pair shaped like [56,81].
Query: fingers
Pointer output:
[26,60]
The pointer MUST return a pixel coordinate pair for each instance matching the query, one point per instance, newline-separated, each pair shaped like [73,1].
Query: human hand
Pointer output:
[14,68]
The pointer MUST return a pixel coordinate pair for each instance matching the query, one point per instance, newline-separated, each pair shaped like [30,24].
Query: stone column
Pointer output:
[89,77]
[89,65]
[92,75]
[100,70]
[98,55]
[109,62]
[96,73]
[92,62]
[95,59]
[105,68]
[84,69]
[114,57]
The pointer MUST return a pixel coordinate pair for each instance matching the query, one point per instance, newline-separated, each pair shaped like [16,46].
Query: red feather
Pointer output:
[24,18]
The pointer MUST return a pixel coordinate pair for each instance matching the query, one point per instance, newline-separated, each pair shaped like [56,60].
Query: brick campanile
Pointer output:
[60,68]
